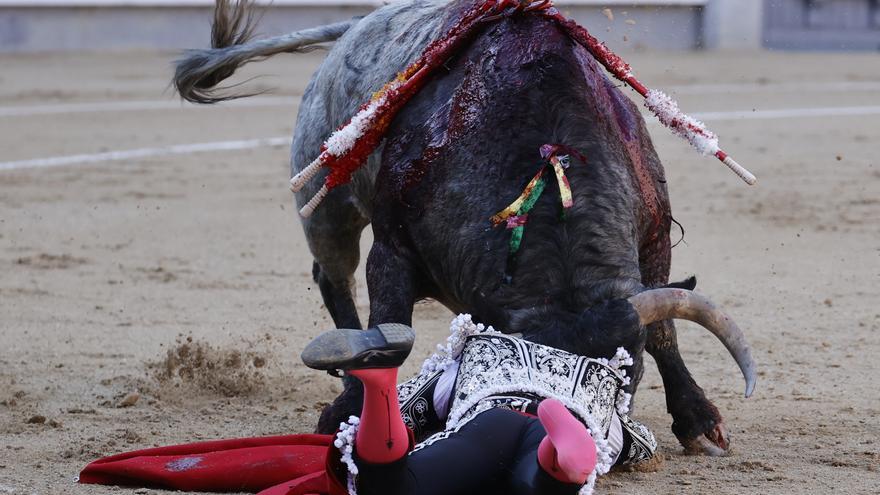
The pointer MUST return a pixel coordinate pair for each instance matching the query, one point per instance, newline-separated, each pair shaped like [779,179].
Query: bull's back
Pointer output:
[467,144]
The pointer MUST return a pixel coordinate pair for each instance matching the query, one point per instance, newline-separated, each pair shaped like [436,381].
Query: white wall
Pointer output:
[733,24]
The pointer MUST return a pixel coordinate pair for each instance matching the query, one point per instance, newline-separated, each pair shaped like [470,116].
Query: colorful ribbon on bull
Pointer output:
[350,145]
[516,215]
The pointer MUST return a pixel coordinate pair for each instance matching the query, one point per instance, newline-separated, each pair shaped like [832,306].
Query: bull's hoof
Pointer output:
[713,443]
[698,425]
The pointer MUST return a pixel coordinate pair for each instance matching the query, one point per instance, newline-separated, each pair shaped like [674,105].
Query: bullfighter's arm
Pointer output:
[417,406]
[639,444]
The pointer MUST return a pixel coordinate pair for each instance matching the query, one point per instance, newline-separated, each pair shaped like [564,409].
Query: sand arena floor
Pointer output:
[181,274]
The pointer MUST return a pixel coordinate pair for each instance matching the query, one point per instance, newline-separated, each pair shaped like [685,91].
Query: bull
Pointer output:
[459,151]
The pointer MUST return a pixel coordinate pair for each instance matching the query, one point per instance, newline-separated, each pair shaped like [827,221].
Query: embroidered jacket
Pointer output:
[497,370]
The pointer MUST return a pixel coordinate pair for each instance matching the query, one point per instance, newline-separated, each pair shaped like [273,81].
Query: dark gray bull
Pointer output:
[460,151]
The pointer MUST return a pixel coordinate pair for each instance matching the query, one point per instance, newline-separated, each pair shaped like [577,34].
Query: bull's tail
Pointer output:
[198,73]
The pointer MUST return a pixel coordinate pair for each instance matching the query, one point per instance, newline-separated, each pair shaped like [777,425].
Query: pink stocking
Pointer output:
[568,452]
[382,437]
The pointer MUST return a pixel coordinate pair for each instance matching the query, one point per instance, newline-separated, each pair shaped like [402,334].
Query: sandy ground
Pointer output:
[186,279]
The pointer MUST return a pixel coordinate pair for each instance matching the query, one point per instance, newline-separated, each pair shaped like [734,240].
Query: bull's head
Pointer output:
[629,323]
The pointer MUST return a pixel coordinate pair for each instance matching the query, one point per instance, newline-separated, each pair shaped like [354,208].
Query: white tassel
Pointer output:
[683,125]
[313,203]
[701,138]
[740,171]
[299,180]
[345,441]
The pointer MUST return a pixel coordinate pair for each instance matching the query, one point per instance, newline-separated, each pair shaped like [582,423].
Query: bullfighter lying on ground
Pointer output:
[490,412]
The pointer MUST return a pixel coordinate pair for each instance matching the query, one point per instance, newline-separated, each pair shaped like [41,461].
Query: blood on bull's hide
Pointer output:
[587,281]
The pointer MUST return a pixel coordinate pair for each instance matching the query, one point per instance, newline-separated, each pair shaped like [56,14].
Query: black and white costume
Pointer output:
[487,385]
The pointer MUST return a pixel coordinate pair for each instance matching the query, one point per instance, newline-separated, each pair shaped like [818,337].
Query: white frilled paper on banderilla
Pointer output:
[693,131]
[683,125]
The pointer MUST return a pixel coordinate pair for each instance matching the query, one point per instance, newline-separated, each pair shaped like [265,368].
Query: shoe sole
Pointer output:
[385,346]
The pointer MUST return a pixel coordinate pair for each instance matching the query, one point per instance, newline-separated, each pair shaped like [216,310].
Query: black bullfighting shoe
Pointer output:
[385,346]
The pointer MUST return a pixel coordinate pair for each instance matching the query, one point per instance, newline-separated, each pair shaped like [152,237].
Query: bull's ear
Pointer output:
[688,284]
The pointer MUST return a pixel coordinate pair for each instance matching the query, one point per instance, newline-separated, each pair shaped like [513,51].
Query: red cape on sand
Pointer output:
[280,465]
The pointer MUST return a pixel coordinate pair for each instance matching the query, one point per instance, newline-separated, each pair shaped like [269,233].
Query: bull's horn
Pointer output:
[663,304]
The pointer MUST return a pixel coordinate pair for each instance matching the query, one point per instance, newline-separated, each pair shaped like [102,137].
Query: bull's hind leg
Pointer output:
[333,233]
[338,295]
[391,279]
[391,283]
[696,422]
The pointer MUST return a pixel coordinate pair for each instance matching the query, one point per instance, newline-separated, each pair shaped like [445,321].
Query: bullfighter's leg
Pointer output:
[568,452]
[333,233]
[391,284]
[496,452]
[693,415]
[372,356]
[382,437]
